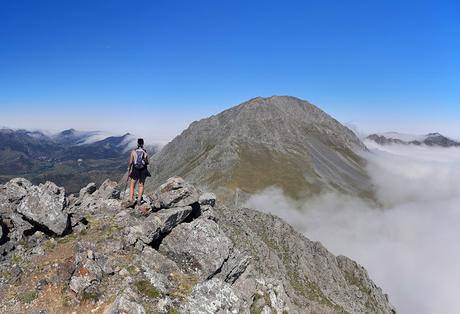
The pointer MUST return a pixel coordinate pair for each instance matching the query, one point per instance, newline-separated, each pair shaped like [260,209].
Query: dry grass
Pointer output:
[22,297]
[259,168]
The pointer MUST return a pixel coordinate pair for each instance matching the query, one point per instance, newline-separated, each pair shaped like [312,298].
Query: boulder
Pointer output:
[234,266]
[214,296]
[44,206]
[88,190]
[12,193]
[157,268]
[125,304]
[198,248]
[17,227]
[108,189]
[207,212]
[175,193]
[152,260]
[157,224]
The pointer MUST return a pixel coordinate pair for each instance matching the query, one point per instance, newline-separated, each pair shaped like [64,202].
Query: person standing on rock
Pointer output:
[137,171]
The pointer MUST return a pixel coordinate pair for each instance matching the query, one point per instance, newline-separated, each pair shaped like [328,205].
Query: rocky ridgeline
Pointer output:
[179,252]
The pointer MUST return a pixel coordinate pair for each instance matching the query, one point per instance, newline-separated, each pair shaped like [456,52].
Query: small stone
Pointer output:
[123,272]
[207,199]
[90,254]
[41,284]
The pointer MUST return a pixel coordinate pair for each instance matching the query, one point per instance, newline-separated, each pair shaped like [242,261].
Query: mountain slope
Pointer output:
[280,140]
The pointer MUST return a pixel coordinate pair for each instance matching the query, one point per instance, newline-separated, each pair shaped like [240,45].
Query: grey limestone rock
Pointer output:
[125,304]
[175,193]
[12,193]
[207,212]
[108,190]
[199,247]
[207,199]
[44,205]
[88,190]
[214,296]
[157,224]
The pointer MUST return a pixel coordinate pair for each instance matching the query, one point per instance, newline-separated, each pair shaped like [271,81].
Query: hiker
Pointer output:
[137,170]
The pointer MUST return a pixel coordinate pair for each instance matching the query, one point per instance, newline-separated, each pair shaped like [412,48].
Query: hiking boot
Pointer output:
[129,204]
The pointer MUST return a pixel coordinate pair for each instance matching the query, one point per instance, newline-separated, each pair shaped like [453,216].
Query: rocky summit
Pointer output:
[277,141]
[180,251]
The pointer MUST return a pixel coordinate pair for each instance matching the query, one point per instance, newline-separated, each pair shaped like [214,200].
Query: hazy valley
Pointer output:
[69,158]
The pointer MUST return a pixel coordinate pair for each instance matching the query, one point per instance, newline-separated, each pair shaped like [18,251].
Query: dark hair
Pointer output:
[140,142]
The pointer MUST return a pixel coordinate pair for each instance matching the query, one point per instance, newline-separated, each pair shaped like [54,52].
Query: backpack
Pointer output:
[139,161]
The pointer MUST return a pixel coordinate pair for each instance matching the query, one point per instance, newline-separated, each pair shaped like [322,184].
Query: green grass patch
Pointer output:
[17,259]
[91,296]
[172,310]
[183,284]
[68,238]
[146,288]
[27,297]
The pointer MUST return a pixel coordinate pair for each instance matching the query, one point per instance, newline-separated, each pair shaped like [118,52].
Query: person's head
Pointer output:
[140,142]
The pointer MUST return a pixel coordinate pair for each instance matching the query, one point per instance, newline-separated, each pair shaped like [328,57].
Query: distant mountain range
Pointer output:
[278,141]
[70,158]
[431,139]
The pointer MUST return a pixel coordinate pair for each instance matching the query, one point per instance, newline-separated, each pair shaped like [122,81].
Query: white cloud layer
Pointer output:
[411,245]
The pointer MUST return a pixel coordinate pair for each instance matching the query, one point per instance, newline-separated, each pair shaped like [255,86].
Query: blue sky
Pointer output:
[155,66]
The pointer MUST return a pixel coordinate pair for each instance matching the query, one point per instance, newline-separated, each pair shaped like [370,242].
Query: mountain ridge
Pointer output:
[186,253]
[431,139]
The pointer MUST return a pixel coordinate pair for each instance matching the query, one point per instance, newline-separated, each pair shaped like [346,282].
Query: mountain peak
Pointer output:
[68,132]
[280,140]
[434,134]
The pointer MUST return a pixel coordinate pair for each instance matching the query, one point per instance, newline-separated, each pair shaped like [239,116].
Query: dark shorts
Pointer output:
[139,174]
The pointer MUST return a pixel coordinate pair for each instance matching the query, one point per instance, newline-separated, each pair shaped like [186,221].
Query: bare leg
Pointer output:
[132,186]
[141,191]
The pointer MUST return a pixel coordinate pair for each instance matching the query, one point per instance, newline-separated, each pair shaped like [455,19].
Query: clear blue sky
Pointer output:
[381,65]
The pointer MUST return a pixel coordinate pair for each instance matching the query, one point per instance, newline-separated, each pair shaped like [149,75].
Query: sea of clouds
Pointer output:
[410,245]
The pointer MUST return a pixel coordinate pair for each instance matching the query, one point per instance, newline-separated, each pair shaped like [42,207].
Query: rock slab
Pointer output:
[44,205]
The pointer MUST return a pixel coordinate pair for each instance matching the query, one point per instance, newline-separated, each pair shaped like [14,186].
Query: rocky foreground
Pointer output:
[179,252]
